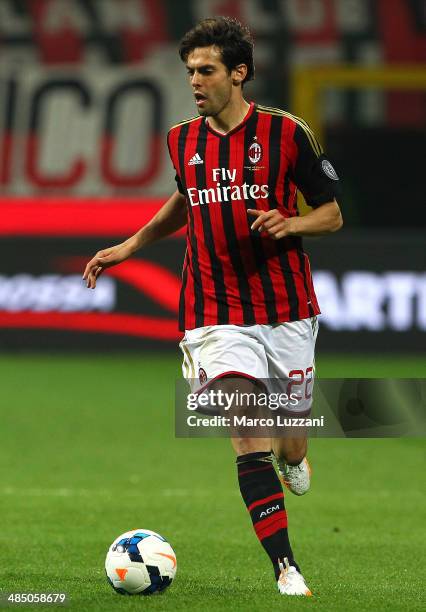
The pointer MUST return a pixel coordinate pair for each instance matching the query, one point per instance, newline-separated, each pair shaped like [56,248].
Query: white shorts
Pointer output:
[282,351]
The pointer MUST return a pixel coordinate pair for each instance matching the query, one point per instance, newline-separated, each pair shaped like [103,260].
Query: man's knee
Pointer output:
[244,446]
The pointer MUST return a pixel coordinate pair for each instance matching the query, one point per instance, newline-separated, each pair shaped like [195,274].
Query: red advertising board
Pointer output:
[371,285]
[49,243]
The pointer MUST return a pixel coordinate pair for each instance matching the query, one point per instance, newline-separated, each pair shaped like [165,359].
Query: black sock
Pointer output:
[263,495]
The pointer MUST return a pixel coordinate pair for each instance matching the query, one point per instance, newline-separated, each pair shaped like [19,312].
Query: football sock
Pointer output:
[264,497]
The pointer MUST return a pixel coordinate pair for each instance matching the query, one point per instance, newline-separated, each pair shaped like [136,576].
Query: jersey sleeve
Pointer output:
[313,173]
[173,157]
[179,184]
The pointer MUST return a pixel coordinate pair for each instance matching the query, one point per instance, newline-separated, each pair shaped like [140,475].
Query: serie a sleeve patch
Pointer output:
[314,174]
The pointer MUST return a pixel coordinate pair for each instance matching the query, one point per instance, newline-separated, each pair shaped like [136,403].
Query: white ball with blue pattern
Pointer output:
[140,562]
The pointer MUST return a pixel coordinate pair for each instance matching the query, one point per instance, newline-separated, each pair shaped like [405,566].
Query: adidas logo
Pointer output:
[195,160]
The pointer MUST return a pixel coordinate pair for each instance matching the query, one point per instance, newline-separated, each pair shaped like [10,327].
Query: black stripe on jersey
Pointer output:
[198,286]
[301,256]
[256,240]
[274,158]
[283,243]
[216,266]
[182,293]
[234,248]
[286,193]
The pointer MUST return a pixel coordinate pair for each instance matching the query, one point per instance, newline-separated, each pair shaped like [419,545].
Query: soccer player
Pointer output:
[248,307]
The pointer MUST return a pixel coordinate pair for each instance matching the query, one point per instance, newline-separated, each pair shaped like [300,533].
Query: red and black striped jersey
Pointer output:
[232,274]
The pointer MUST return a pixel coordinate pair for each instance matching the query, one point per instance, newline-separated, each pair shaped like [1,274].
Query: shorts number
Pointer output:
[300,377]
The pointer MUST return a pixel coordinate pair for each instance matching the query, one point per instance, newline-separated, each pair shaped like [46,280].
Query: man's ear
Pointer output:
[238,74]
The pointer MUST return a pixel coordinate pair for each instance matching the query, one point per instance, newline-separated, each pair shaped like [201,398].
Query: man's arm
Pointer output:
[323,220]
[170,218]
[317,180]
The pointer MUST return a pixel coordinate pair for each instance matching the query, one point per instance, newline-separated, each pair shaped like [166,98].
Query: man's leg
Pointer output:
[290,351]
[263,496]
[290,450]
[294,469]
[259,484]
[219,352]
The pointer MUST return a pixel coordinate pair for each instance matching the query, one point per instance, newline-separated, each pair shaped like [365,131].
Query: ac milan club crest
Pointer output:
[202,375]
[255,151]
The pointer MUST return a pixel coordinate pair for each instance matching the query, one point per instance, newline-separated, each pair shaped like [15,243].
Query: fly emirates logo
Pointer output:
[226,193]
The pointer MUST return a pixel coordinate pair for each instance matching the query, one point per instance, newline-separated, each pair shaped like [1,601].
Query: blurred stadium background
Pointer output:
[88,90]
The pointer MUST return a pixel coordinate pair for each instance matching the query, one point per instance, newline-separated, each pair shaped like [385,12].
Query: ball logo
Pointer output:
[255,152]
[171,557]
[121,573]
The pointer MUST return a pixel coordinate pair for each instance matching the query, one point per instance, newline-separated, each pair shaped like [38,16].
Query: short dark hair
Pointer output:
[232,38]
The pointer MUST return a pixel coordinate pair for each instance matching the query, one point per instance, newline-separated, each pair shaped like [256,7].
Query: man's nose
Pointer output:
[195,79]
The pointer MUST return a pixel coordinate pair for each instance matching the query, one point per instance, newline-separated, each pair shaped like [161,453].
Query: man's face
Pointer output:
[210,80]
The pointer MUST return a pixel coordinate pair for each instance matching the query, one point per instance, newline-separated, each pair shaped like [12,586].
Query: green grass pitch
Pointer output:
[88,451]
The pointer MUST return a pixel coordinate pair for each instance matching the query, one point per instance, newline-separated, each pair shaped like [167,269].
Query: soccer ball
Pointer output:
[140,562]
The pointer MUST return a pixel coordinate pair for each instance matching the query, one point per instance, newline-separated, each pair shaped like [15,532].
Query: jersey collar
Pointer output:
[236,128]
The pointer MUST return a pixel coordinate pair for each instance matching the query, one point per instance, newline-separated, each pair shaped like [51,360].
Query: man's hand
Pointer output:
[272,222]
[105,259]
[318,222]
[170,218]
